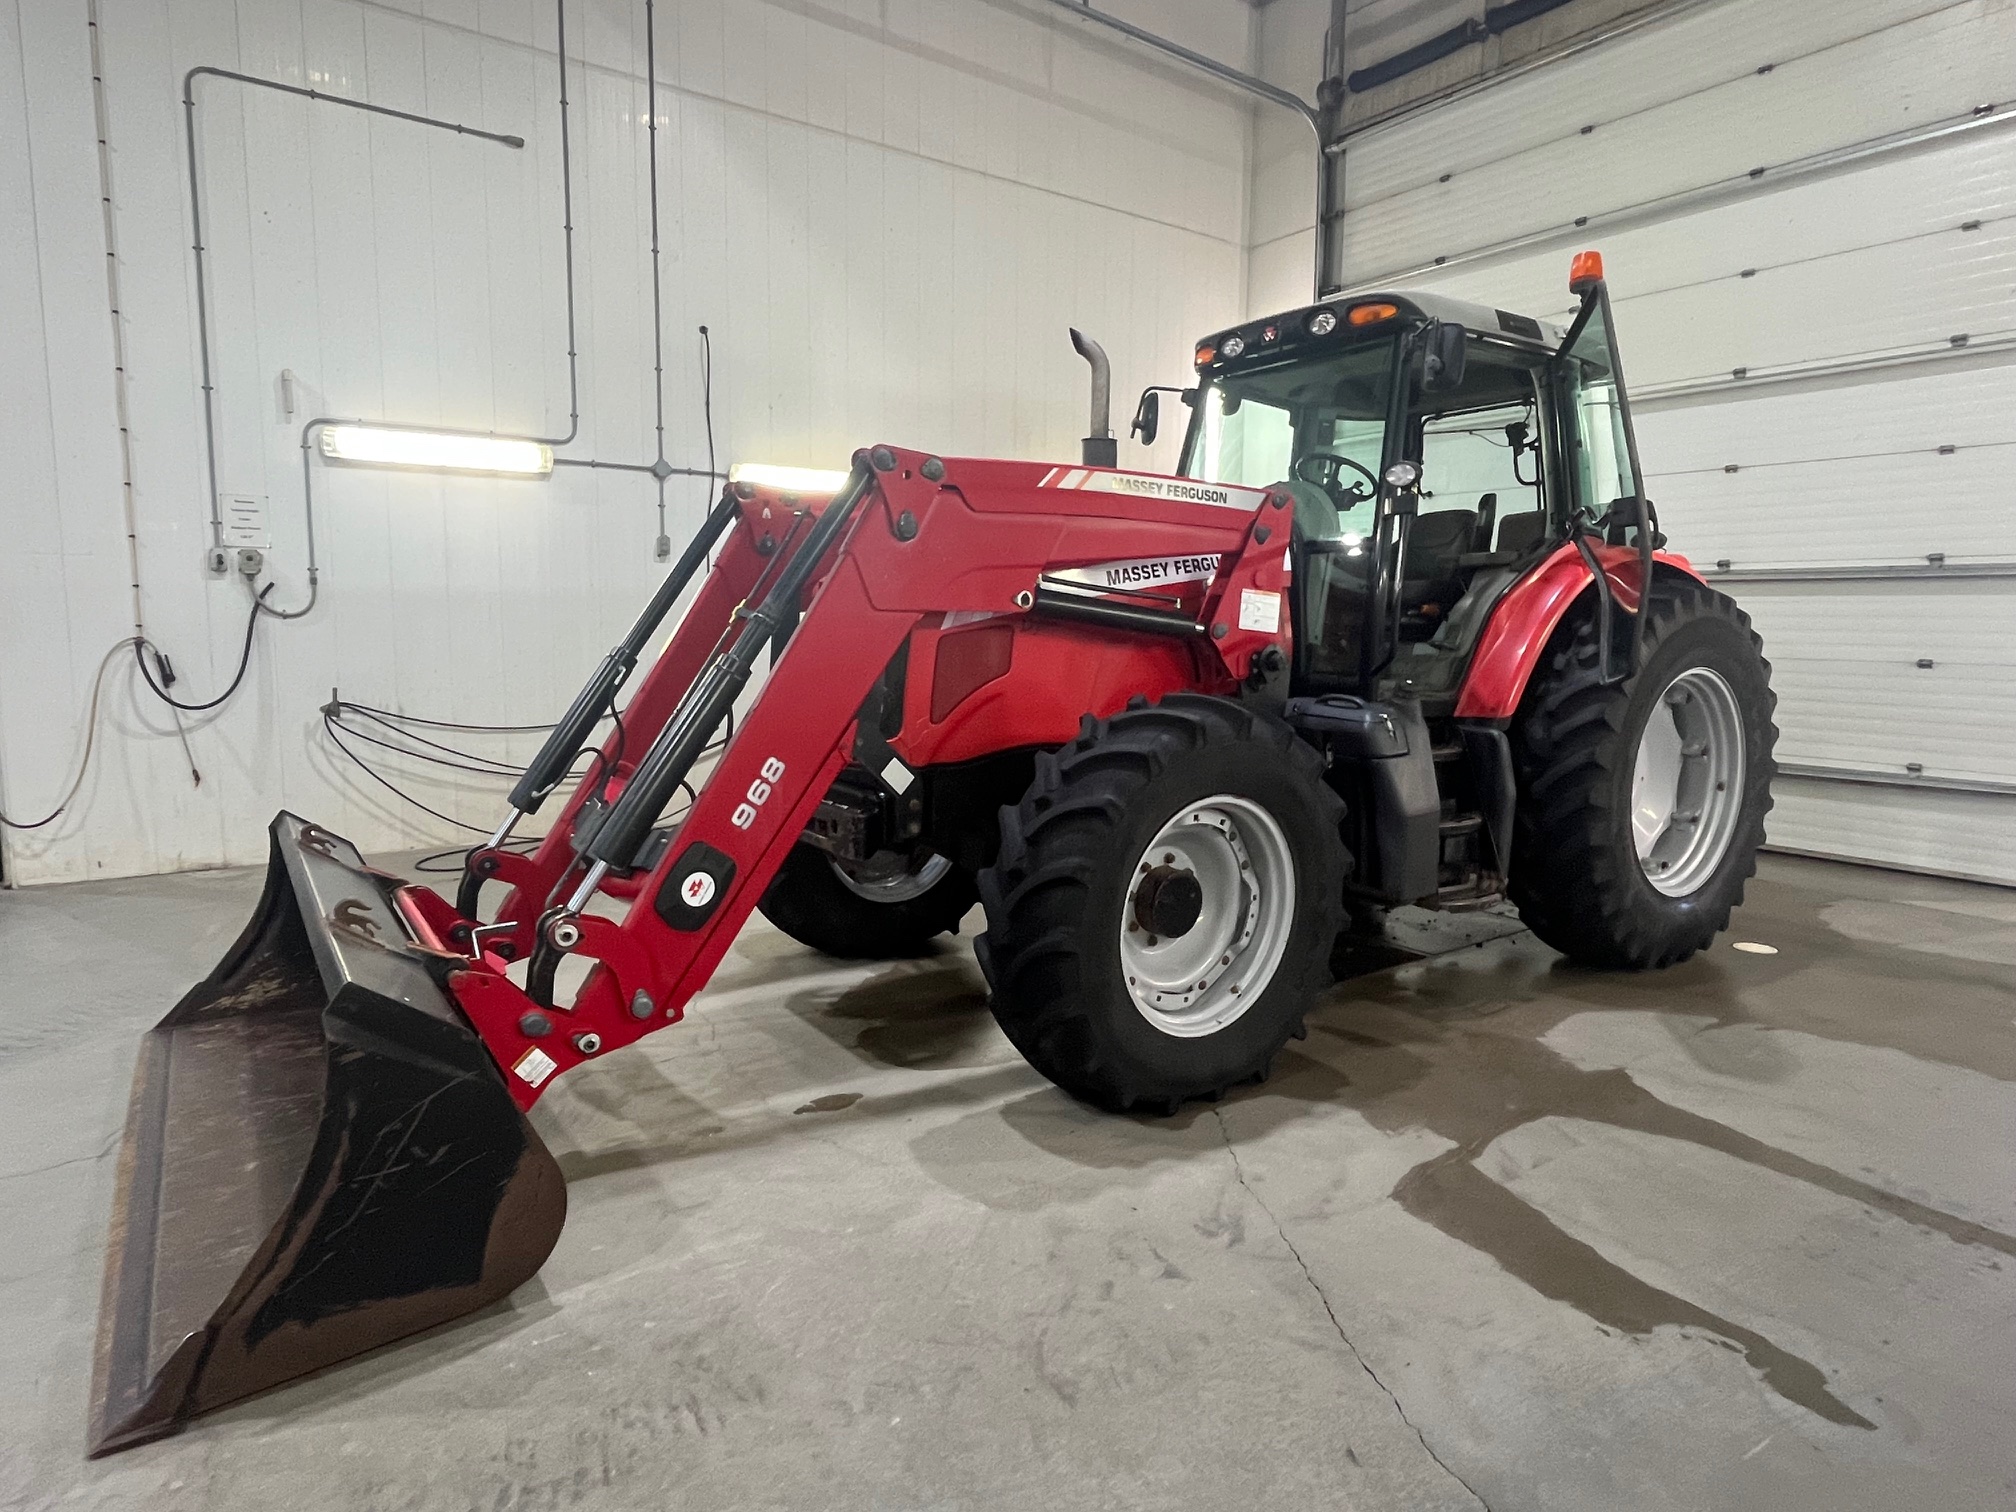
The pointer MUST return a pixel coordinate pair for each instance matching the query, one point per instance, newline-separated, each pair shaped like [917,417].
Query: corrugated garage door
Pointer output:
[1809,216]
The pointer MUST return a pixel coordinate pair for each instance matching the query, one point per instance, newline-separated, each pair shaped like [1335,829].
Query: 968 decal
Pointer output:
[765,783]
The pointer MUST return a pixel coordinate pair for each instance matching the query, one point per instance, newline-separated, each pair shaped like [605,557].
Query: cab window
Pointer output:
[1482,488]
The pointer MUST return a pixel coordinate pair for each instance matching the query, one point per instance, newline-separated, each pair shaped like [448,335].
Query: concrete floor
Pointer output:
[1498,1231]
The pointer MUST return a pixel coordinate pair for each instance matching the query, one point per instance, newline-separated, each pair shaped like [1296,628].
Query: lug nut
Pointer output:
[534,1025]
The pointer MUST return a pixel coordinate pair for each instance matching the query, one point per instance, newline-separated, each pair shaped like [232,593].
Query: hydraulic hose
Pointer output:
[687,732]
[566,740]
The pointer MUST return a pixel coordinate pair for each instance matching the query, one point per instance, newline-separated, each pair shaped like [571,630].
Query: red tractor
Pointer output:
[1398,631]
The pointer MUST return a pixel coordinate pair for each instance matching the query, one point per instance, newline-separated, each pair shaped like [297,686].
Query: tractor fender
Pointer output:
[1525,617]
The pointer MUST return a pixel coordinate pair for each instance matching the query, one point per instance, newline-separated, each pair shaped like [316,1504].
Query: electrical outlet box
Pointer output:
[217,561]
[251,561]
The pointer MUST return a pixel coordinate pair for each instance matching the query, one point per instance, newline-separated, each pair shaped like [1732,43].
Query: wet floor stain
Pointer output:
[926,1015]
[1454,1046]
[832,1102]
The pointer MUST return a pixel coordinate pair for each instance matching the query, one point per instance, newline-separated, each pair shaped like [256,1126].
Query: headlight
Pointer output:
[1402,475]
[1322,323]
[1231,346]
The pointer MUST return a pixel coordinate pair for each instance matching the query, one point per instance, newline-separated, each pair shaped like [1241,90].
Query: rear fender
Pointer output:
[1525,618]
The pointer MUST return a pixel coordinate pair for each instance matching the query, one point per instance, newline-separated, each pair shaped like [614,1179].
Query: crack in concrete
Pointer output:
[57,1165]
[1239,1172]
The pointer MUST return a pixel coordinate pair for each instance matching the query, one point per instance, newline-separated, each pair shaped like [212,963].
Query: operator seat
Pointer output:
[1432,582]
[1522,532]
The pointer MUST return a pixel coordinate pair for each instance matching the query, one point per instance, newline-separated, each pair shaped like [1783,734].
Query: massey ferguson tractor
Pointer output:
[1399,630]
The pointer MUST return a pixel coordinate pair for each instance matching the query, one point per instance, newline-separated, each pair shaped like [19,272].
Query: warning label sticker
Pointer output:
[1260,611]
[1143,572]
[534,1066]
[1152,486]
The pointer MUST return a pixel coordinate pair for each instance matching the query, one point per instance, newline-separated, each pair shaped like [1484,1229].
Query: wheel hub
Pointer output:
[1208,914]
[1687,782]
[1168,901]
[891,877]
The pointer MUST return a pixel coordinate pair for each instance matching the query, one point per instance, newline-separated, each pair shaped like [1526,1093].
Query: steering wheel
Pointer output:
[1323,469]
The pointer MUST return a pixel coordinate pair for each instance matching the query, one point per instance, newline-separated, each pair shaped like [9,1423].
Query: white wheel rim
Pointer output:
[886,878]
[1198,981]
[1687,782]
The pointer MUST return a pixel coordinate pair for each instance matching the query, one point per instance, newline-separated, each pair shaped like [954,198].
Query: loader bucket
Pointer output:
[320,1157]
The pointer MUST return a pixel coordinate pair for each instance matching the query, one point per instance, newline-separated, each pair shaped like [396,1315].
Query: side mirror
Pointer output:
[1443,355]
[1147,417]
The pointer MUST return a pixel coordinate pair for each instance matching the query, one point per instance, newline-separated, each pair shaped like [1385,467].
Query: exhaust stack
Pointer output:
[1100,448]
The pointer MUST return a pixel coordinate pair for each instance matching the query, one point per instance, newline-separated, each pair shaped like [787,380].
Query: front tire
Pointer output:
[882,913]
[1641,805]
[1162,908]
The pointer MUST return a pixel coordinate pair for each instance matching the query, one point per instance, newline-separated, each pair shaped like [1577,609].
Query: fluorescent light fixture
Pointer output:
[440,449]
[797,480]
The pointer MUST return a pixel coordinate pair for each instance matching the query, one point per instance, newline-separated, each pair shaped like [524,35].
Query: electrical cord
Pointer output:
[84,762]
[431,863]
[451,756]
[707,397]
[142,645]
[335,734]
[314,592]
[443,724]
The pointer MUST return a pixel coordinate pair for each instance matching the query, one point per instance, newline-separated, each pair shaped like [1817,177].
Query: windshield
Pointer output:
[1318,426]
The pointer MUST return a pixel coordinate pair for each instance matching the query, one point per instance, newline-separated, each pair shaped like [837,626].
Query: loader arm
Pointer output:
[924,538]
[761,526]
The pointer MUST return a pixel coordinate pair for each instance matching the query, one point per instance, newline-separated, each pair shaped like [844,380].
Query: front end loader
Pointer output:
[1174,733]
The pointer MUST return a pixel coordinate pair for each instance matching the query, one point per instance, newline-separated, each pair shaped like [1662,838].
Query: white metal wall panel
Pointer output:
[1846,660]
[1968,835]
[1499,175]
[887,211]
[1841,476]
[1679,102]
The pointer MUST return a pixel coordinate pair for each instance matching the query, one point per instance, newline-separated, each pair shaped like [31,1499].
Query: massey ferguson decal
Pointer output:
[1146,572]
[1150,486]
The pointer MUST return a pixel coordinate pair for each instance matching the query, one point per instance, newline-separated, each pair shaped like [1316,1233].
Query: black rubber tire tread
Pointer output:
[1056,890]
[813,906]
[1575,875]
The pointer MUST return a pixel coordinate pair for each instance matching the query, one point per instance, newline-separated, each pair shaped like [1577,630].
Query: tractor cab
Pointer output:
[1436,451]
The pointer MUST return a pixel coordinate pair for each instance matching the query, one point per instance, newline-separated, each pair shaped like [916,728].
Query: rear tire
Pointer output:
[1195,817]
[1589,758]
[812,901]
